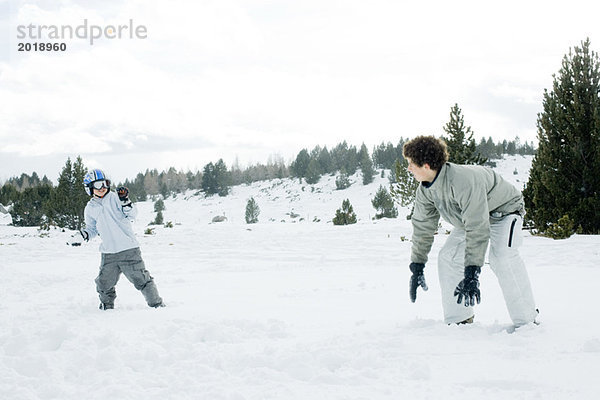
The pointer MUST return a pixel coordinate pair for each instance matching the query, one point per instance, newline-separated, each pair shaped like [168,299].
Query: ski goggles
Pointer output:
[101,184]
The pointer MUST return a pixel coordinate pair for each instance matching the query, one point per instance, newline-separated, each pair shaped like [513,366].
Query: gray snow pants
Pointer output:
[130,263]
[506,263]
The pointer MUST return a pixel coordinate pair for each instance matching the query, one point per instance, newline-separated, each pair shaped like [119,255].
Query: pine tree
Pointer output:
[366,165]
[29,209]
[209,184]
[338,155]
[159,219]
[313,173]
[194,181]
[8,194]
[137,190]
[351,161]
[78,194]
[151,182]
[325,161]
[342,181]
[345,215]
[223,178]
[384,204]
[403,185]
[164,190]
[461,145]
[59,207]
[216,179]
[68,199]
[565,173]
[159,205]
[300,165]
[252,211]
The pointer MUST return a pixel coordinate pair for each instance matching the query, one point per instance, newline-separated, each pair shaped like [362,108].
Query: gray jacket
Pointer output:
[108,218]
[465,196]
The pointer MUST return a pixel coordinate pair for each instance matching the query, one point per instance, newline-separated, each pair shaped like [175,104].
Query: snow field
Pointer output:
[294,310]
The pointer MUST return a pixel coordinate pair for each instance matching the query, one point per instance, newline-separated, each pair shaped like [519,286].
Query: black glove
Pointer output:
[417,279]
[123,193]
[469,287]
[77,238]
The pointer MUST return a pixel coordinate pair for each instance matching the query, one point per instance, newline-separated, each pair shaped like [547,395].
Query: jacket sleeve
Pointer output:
[424,221]
[127,210]
[90,224]
[471,197]
[130,211]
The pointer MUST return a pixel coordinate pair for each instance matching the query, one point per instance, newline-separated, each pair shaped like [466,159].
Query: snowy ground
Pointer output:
[288,310]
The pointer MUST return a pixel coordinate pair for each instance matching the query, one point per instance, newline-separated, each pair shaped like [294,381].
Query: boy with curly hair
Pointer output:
[483,208]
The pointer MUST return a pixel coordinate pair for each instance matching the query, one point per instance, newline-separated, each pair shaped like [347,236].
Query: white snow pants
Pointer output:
[506,263]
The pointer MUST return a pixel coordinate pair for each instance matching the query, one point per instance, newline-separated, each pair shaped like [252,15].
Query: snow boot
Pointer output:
[106,306]
[466,321]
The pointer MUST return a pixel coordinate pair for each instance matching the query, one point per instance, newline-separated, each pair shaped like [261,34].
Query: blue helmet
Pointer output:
[94,175]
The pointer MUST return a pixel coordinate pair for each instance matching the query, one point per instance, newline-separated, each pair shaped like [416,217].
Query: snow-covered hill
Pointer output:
[288,308]
[280,198]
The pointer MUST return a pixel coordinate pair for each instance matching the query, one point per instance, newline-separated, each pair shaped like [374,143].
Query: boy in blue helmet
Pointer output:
[109,215]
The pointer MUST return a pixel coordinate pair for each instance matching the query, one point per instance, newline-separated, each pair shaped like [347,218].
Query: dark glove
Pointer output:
[417,279]
[123,193]
[77,238]
[469,287]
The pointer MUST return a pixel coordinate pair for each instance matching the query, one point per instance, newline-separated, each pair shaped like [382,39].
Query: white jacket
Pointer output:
[109,219]
[465,196]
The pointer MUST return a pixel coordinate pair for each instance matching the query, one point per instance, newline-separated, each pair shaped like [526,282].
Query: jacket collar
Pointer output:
[441,171]
[100,200]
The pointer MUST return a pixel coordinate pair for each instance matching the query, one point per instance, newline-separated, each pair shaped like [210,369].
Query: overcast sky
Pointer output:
[248,79]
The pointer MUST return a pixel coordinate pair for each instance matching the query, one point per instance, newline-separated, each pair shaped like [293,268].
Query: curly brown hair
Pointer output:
[426,150]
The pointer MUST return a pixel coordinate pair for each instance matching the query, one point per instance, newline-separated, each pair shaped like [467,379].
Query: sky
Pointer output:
[251,80]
